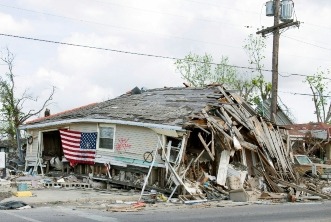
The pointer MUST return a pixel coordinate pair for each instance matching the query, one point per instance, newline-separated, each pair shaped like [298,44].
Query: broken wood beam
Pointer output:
[214,123]
[212,143]
[198,157]
[324,196]
[223,167]
[204,130]
[248,145]
[206,147]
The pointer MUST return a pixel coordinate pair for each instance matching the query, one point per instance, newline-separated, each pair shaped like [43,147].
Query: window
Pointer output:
[175,147]
[302,159]
[106,137]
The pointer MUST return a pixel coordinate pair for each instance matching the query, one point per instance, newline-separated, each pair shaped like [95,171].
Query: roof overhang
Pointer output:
[122,122]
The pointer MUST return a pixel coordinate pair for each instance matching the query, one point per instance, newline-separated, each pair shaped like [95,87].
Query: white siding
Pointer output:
[130,142]
[31,149]
[84,127]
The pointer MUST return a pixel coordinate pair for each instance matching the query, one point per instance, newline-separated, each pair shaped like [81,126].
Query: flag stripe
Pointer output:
[89,154]
[78,147]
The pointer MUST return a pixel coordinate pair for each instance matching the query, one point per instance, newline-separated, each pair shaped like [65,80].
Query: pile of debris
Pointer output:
[228,151]
[244,151]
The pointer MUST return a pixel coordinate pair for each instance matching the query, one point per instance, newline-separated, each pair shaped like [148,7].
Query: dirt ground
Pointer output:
[4,195]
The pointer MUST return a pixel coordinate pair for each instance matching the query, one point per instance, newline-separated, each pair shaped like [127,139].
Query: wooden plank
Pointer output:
[212,143]
[259,135]
[227,117]
[206,147]
[212,121]
[269,166]
[286,153]
[174,176]
[186,137]
[224,141]
[237,133]
[224,94]
[272,184]
[223,167]
[272,147]
[238,116]
[248,145]
[279,150]
[303,189]
[243,104]
[204,130]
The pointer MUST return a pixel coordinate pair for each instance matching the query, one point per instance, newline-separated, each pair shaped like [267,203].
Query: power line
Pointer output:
[125,28]
[126,52]
[308,43]
[304,94]
[219,6]
[297,74]
[319,26]
[204,19]
[145,54]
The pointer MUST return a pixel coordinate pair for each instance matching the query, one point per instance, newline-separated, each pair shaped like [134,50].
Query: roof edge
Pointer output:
[122,122]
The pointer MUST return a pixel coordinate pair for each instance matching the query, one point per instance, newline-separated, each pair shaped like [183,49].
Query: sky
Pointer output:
[115,37]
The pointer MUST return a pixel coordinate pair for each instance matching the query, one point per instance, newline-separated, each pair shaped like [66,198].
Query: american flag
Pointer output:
[78,147]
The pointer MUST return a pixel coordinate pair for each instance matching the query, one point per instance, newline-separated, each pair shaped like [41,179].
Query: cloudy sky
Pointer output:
[168,28]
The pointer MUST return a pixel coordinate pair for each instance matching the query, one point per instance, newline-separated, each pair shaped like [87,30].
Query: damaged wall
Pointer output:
[132,145]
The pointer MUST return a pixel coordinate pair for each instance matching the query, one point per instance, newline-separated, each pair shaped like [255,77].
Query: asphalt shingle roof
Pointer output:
[170,106]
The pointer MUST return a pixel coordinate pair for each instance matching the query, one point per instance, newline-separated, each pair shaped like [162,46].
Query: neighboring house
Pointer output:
[281,117]
[311,139]
[130,130]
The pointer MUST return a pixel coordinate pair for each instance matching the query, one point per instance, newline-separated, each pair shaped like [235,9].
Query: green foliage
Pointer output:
[200,71]
[195,69]
[9,110]
[254,48]
[319,87]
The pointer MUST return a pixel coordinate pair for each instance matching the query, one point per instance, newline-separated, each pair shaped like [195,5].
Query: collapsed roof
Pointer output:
[168,106]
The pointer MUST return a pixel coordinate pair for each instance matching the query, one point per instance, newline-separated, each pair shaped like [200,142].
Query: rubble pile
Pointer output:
[238,147]
[227,151]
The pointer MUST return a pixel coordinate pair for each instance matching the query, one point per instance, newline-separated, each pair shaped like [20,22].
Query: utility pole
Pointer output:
[275,52]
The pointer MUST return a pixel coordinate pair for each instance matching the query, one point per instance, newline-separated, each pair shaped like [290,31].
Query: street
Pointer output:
[309,211]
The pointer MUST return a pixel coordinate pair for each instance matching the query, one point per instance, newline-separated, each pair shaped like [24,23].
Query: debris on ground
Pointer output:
[14,205]
[232,154]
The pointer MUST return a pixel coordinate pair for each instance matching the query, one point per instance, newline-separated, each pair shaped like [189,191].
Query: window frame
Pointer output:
[99,137]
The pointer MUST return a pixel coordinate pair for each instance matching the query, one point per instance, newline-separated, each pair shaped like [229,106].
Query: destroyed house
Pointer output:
[313,139]
[174,137]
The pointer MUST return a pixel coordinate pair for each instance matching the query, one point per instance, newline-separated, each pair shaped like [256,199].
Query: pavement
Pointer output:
[51,196]
[103,199]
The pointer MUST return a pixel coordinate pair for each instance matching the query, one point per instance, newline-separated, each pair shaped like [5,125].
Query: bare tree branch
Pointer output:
[11,107]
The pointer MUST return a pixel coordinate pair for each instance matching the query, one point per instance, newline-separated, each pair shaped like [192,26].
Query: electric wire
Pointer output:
[305,94]
[167,36]
[146,54]
[130,29]
[321,47]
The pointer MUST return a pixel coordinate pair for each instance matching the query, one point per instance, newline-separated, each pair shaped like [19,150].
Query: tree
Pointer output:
[202,70]
[254,47]
[319,87]
[197,71]
[11,111]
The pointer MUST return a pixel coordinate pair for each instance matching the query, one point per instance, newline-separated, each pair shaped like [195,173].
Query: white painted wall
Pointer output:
[130,142]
